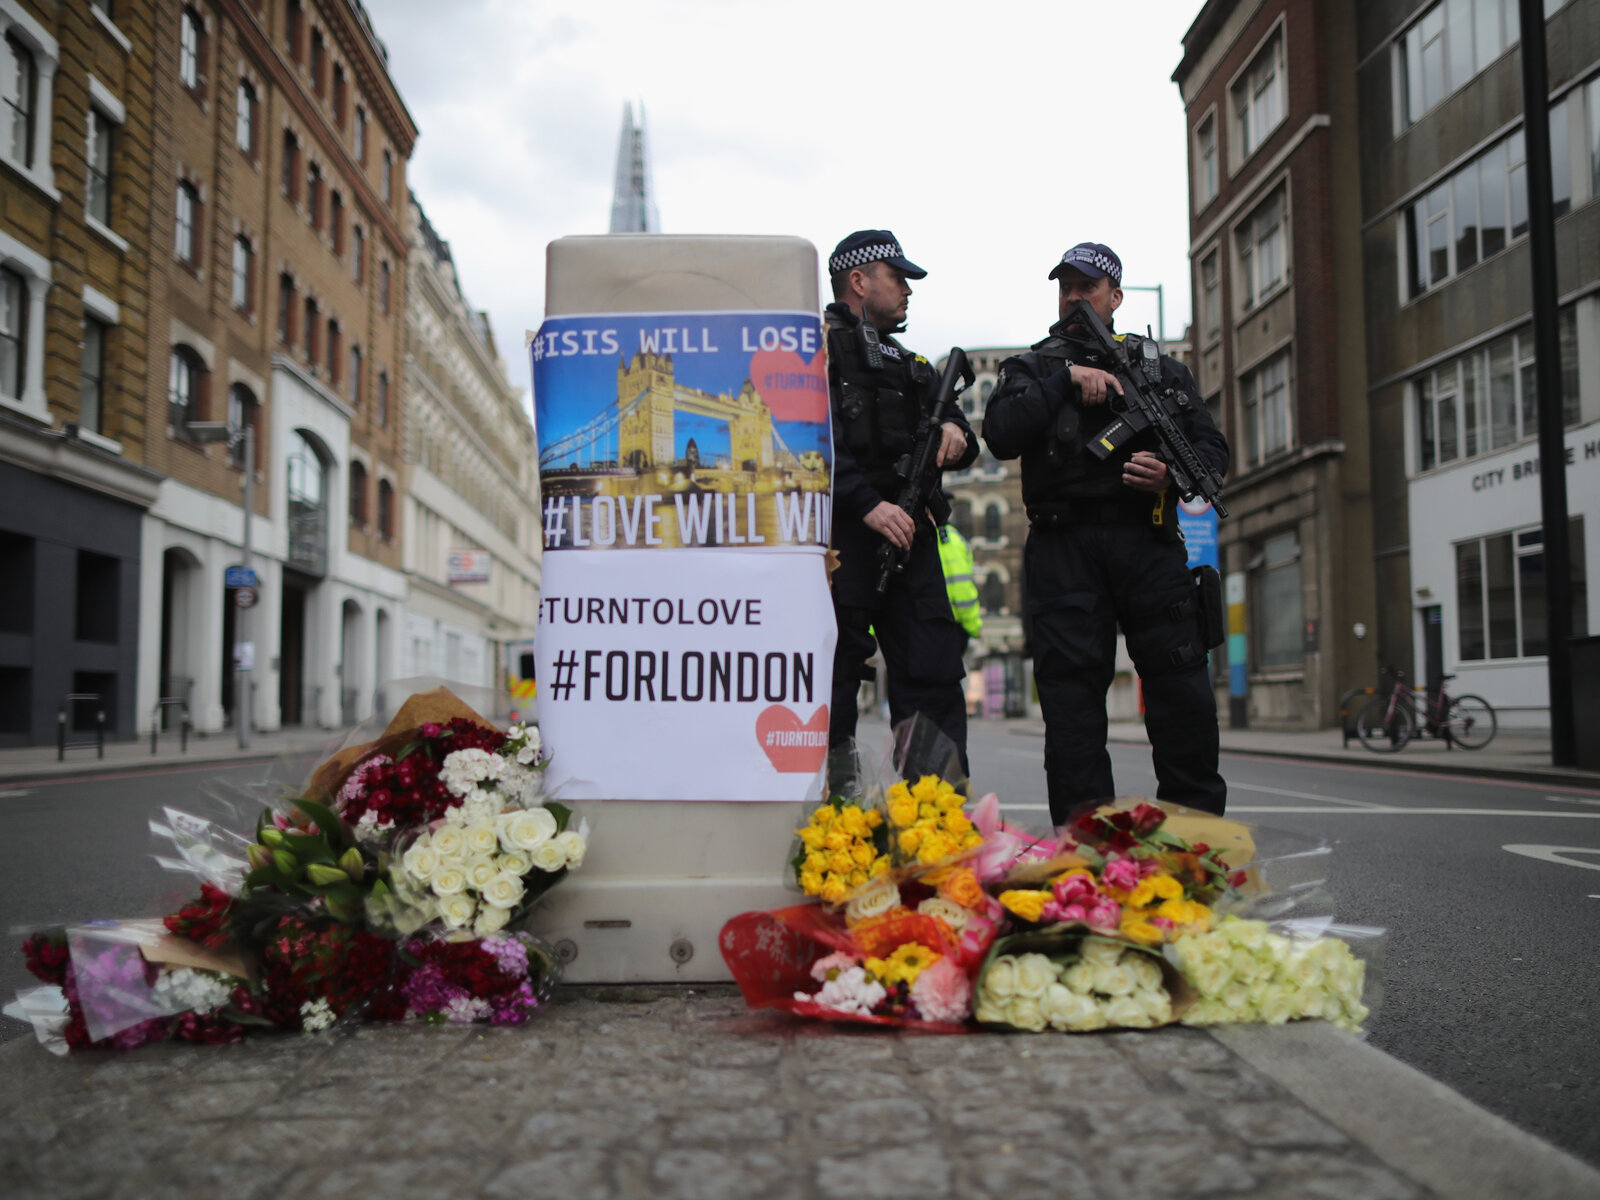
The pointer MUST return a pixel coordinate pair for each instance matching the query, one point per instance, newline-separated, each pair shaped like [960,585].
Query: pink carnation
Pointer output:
[943,992]
[837,961]
[1105,915]
[1074,889]
[1121,873]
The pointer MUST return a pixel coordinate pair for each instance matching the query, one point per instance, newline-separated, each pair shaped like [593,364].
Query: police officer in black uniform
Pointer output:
[880,392]
[1104,550]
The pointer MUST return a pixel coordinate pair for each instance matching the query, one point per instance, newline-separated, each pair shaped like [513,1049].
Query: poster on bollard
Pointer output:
[685,643]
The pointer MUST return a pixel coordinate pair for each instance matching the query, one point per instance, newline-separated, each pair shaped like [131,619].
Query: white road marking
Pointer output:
[1572,800]
[1271,791]
[15,793]
[1557,854]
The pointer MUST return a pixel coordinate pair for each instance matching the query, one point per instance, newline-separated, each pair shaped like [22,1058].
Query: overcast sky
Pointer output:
[988,137]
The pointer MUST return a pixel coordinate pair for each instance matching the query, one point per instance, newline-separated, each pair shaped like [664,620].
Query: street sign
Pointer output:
[245,597]
[240,577]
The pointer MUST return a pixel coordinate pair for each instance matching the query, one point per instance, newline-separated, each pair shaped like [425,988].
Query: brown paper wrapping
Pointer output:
[439,705]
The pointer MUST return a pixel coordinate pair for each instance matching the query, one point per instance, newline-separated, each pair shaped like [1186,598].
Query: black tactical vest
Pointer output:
[878,408]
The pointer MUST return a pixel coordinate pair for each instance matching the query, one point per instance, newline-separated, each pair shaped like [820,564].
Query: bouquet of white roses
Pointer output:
[1073,983]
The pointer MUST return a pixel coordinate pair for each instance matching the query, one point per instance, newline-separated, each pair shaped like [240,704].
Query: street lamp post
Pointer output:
[1161,310]
[221,433]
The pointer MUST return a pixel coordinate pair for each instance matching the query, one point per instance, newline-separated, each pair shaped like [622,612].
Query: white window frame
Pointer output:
[243,278]
[1208,168]
[46,58]
[185,224]
[191,35]
[1253,288]
[246,131]
[1253,408]
[35,271]
[1248,135]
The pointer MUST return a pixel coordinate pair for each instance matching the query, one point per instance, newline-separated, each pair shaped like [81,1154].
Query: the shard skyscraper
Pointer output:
[633,203]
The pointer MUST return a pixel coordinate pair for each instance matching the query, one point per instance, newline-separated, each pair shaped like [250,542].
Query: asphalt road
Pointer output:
[1488,967]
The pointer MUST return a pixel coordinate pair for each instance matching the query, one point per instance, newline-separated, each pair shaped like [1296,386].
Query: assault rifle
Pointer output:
[920,467]
[1145,403]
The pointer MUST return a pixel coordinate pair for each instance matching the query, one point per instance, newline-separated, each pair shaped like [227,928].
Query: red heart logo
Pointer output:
[793,389]
[791,747]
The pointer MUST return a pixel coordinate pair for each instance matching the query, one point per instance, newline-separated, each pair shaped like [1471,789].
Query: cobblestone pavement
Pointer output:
[667,1092]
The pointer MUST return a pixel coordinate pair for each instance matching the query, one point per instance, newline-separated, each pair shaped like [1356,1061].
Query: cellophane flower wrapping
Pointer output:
[903,922]
[393,886]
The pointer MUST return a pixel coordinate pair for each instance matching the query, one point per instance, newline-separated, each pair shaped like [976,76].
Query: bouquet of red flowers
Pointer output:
[391,887]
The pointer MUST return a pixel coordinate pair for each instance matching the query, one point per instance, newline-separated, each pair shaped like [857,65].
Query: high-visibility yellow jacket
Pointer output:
[955,556]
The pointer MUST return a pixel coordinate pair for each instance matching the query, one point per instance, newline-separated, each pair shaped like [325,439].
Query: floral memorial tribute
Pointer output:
[1130,916]
[392,887]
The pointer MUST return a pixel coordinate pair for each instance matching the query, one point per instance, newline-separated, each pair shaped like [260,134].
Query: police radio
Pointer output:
[871,348]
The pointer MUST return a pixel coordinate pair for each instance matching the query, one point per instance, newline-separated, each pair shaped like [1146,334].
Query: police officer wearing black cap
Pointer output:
[1104,550]
[880,392]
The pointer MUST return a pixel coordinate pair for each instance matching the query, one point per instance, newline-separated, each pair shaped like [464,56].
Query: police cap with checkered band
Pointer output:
[1092,259]
[869,246]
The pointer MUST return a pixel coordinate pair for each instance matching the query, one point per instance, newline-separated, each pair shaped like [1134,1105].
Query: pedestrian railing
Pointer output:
[184,725]
[99,742]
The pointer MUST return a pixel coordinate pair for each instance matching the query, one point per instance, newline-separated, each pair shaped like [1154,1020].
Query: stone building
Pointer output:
[75,134]
[471,547]
[277,292]
[1460,584]
[1280,346]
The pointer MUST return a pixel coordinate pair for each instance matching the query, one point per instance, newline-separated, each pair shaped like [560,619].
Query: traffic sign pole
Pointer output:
[242,674]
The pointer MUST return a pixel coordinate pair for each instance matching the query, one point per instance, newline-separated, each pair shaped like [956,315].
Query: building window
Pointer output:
[338,96]
[243,271]
[1275,575]
[358,254]
[314,196]
[1258,97]
[386,510]
[1210,298]
[293,26]
[358,494]
[19,86]
[185,378]
[994,592]
[333,351]
[92,387]
[1500,593]
[1592,94]
[186,228]
[386,178]
[360,138]
[286,308]
[97,192]
[1264,412]
[291,166]
[355,375]
[336,220]
[992,522]
[244,118]
[383,399]
[13,332]
[1205,138]
[1486,399]
[306,474]
[242,414]
[1449,44]
[189,32]
[383,287]
[318,61]
[1260,242]
[311,317]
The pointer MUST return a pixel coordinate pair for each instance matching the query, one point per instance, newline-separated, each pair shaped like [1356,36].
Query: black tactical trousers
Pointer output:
[1082,581]
[921,641]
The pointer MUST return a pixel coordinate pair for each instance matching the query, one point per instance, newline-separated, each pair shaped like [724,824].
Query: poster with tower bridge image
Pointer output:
[683,430]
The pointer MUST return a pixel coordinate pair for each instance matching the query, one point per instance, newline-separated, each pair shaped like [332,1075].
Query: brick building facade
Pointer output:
[1279,346]
[276,301]
[74,215]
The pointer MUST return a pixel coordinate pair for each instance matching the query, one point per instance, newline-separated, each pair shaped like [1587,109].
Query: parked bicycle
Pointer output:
[1389,723]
